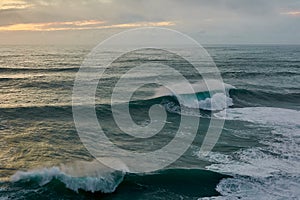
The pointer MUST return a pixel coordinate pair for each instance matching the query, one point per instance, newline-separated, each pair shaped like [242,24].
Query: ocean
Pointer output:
[256,157]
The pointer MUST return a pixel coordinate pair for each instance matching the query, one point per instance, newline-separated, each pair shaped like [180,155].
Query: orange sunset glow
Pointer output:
[14,4]
[69,21]
[292,13]
[77,25]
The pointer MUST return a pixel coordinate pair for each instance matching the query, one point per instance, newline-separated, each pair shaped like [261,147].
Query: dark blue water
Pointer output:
[256,157]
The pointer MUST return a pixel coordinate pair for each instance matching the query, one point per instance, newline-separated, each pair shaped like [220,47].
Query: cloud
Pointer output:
[215,21]
[292,13]
[78,25]
[14,5]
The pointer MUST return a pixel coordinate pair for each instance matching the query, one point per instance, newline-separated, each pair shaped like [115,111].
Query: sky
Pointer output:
[89,22]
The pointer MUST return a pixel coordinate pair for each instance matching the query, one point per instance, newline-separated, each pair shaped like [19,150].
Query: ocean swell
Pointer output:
[104,181]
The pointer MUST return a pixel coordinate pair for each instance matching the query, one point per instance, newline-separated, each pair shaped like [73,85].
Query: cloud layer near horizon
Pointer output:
[214,21]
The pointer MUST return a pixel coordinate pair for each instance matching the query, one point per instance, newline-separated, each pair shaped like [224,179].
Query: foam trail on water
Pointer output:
[268,172]
[262,115]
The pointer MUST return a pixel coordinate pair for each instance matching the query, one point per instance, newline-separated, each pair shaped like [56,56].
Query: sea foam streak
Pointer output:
[271,171]
[88,176]
[262,115]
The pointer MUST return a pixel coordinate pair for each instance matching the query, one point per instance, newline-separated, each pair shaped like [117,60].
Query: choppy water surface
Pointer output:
[257,156]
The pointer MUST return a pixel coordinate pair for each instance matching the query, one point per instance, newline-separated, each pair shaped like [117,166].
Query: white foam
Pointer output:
[271,171]
[281,151]
[209,85]
[255,163]
[256,175]
[268,189]
[87,176]
[218,101]
[262,115]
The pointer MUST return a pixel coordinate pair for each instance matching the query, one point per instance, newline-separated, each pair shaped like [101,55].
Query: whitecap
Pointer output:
[88,176]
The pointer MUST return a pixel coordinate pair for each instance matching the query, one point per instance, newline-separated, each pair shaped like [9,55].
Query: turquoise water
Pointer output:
[256,157]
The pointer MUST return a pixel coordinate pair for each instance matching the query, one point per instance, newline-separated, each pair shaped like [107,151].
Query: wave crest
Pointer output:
[99,179]
[212,99]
